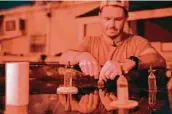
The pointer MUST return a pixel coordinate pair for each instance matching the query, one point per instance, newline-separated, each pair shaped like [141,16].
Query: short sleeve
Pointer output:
[82,46]
[143,46]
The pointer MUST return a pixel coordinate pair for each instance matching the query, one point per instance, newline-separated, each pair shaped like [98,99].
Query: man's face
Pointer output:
[112,20]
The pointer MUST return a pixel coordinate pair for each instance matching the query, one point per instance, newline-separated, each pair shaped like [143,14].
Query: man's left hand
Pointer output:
[113,68]
[127,65]
[110,70]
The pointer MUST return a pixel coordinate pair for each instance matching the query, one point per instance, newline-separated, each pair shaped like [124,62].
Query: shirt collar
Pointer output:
[110,41]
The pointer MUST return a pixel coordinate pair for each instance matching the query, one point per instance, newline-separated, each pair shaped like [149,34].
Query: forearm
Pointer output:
[154,60]
[73,56]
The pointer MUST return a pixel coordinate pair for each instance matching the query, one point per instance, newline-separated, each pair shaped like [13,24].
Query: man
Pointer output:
[115,51]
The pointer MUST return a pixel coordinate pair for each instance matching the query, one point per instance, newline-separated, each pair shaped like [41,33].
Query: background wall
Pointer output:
[61,30]
[60,27]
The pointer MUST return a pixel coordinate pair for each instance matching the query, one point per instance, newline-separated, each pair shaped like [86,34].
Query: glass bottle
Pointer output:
[152,80]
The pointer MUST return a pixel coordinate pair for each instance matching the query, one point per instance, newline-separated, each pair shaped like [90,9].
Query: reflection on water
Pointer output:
[10,109]
[105,97]
[170,99]
[152,100]
[92,101]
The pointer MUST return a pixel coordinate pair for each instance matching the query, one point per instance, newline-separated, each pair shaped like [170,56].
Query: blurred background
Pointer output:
[29,29]
[40,31]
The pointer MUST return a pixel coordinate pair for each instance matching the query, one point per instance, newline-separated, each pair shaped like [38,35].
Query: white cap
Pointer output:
[120,3]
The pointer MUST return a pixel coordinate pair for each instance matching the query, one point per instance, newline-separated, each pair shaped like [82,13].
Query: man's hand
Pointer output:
[113,68]
[127,65]
[110,70]
[106,99]
[89,65]
[87,104]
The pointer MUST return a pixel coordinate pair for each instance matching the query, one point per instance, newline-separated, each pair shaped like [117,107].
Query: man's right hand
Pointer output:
[89,65]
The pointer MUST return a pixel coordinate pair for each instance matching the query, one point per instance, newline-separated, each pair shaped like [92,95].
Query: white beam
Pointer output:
[147,14]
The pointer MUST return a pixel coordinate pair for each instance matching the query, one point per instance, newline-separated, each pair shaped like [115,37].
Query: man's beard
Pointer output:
[116,35]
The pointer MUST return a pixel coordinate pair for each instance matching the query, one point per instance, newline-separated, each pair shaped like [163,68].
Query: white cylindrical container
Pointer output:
[17,83]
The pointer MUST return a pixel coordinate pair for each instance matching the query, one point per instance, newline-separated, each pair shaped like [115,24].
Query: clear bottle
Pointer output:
[68,76]
[152,90]
[152,80]
[152,98]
